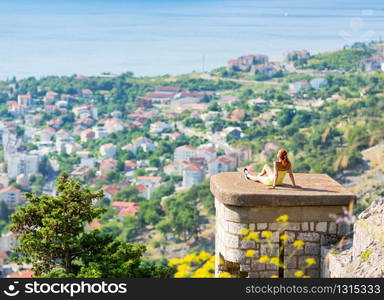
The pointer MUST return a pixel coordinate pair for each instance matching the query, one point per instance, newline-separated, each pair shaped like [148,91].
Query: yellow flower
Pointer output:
[284,238]
[181,275]
[298,244]
[253,236]
[244,231]
[306,276]
[174,261]
[264,259]
[203,273]
[204,255]
[282,218]
[274,276]
[266,234]
[183,268]
[250,253]
[299,273]
[191,258]
[225,275]
[275,261]
[310,261]
[221,261]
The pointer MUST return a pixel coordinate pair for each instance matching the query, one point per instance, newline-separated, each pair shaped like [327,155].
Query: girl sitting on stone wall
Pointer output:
[275,176]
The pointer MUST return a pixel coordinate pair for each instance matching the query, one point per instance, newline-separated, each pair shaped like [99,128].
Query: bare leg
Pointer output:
[254,177]
[267,170]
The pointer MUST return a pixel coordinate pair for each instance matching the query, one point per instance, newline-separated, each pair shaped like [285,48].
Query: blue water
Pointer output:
[148,37]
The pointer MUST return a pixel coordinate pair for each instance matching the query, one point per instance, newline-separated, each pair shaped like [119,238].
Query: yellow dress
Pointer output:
[268,180]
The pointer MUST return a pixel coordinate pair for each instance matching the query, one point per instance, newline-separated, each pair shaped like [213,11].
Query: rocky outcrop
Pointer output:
[365,257]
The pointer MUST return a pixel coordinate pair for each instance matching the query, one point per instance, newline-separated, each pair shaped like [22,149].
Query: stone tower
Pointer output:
[242,203]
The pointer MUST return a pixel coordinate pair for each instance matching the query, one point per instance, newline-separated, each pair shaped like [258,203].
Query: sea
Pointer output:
[158,37]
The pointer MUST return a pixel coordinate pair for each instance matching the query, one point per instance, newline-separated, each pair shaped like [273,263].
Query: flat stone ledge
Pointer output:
[231,188]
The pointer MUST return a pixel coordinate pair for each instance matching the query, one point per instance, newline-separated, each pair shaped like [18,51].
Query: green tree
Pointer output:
[52,237]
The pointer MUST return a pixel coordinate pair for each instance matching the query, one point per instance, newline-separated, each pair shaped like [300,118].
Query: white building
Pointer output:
[175,168]
[8,241]
[100,132]
[318,83]
[23,163]
[208,153]
[192,175]
[24,99]
[159,127]
[184,153]
[108,150]
[113,125]
[151,183]
[141,142]
[85,111]
[219,165]
[10,196]
[62,142]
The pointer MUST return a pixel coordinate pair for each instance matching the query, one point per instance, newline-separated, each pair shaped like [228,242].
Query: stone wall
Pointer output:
[364,257]
[242,203]
[230,248]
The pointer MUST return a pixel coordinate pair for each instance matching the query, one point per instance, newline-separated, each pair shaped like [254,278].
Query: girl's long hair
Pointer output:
[283,155]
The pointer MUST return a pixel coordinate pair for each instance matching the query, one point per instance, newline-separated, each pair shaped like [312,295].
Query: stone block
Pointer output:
[292,235]
[245,268]
[312,248]
[293,226]
[274,226]
[266,250]
[290,262]
[313,273]
[254,275]
[303,264]
[252,226]
[290,273]
[247,244]
[304,226]
[312,226]
[332,228]
[309,236]
[268,274]
[289,249]
[235,228]
[235,255]
[262,226]
[321,227]
[257,266]
[231,240]
[343,229]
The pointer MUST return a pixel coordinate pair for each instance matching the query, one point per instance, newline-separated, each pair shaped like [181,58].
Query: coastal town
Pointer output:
[166,137]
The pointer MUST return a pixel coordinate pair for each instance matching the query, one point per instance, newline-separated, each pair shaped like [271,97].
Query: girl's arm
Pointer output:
[291,176]
[275,175]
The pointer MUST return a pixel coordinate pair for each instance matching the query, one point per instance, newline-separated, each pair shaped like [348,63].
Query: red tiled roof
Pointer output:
[156,178]
[108,161]
[160,95]
[193,168]
[10,189]
[167,88]
[110,189]
[86,91]
[125,208]
[94,224]
[131,211]
[141,188]
[186,147]
[130,163]
[3,255]
[107,145]
[22,274]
